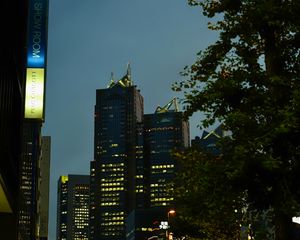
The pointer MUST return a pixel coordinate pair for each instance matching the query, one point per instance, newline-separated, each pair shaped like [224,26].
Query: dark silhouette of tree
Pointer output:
[249,79]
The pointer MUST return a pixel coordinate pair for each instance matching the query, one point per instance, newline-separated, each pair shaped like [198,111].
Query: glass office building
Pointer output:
[73,201]
[117,170]
[164,131]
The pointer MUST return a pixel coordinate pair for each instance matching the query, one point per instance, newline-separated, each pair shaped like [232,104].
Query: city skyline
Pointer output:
[204,93]
[158,38]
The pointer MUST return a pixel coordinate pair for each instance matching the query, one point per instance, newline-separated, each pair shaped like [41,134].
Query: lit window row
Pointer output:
[110,194]
[162,199]
[112,214]
[162,166]
[112,223]
[139,176]
[162,171]
[82,221]
[119,155]
[113,170]
[112,189]
[112,180]
[112,199]
[109,219]
[112,175]
[112,165]
[159,204]
[111,184]
[161,129]
[145,229]
[110,204]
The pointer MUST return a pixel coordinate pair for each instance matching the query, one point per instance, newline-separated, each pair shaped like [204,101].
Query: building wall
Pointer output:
[62,208]
[118,147]
[29,171]
[163,133]
[73,207]
[12,55]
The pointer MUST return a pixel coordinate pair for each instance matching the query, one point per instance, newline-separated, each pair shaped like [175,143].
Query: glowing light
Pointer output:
[172,211]
[64,179]
[34,95]
[296,220]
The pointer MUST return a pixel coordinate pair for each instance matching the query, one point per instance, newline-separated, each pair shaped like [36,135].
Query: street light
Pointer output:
[170,212]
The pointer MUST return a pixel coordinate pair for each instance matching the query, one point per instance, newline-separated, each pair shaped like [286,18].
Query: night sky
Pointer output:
[89,39]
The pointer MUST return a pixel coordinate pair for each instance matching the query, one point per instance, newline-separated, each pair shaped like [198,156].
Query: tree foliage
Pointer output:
[249,80]
[210,208]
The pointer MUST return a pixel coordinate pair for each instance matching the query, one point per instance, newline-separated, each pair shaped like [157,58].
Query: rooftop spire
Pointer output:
[125,81]
[128,71]
[112,77]
[112,81]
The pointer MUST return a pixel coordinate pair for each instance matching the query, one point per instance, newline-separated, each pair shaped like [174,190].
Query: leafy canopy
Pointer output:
[249,80]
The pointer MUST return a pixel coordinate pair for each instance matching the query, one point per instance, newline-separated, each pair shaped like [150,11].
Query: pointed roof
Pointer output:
[112,81]
[167,107]
[217,132]
[125,81]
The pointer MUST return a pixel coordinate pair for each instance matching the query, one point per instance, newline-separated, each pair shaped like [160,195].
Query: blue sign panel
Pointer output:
[36,44]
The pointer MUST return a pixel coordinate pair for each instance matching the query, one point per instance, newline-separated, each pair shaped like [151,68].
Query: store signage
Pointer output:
[34,93]
[36,43]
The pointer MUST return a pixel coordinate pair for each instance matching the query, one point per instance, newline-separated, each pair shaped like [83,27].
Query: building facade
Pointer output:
[209,140]
[73,200]
[19,52]
[164,132]
[12,80]
[117,170]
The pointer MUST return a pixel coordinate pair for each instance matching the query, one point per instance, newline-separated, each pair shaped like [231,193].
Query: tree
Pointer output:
[250,80]
[207,206]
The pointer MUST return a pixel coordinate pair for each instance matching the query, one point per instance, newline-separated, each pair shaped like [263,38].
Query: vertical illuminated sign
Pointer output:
[36,44]
[34,93]
[36,59]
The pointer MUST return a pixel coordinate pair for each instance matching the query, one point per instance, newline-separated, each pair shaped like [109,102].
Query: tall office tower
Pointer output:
[73,199]
[43,189]
[12,72]
[117,169]
[164,131]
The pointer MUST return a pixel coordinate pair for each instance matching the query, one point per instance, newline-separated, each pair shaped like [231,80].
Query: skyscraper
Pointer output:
[117,169]
[73,207]
[164,131]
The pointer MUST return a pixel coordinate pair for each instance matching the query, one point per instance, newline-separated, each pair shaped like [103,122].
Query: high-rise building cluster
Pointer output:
[24,152]
[131,176]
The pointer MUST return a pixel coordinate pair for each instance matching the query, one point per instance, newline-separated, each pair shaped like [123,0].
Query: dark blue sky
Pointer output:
[89,39]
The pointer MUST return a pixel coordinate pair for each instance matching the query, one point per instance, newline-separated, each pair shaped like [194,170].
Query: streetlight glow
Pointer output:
[172,211]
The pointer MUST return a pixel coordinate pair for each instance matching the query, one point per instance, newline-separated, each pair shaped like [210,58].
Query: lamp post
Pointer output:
[170,212]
